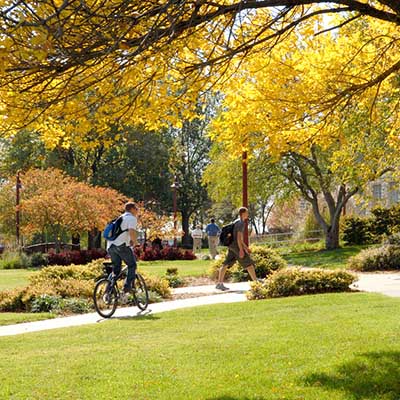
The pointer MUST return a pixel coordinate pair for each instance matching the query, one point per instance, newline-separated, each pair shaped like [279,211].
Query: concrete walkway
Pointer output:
[385,283]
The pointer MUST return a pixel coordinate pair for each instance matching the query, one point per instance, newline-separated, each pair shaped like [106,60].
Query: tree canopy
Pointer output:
[71,67]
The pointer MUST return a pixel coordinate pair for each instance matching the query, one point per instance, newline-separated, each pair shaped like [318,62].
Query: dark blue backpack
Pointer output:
[113,229]
[226,236]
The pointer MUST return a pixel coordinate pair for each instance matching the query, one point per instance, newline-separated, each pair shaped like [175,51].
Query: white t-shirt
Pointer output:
[129,221]
[197,234]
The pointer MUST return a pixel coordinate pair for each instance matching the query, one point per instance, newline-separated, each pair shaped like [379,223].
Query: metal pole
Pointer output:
[245,202]
[17,211]
[174,187]
[175,222]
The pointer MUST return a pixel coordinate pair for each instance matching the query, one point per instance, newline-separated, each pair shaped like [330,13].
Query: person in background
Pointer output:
[213,231]
[197,235]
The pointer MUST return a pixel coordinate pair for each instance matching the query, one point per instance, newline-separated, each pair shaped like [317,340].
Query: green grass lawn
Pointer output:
[12,278]
[17,318]
[322,258]
[326,347]
[185,268]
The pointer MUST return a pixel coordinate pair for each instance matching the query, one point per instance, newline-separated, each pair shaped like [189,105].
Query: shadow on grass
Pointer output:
[140,315]
[372,375]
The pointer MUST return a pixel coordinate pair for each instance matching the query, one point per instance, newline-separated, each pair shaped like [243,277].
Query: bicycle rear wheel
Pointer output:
[105,298]
[140,294]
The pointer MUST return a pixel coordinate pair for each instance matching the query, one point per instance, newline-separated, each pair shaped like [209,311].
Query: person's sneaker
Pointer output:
[221,286]
[260,280]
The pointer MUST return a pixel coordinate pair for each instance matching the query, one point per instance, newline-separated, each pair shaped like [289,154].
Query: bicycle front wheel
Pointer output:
[140,294]
[105,298]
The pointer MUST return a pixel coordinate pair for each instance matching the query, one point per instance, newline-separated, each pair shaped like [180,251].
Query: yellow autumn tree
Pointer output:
[281,105]
[70,68]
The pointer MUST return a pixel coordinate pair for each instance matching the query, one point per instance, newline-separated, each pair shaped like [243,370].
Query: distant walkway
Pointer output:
[385,283]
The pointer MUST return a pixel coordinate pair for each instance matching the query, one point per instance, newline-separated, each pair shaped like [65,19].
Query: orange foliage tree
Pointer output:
[54,202]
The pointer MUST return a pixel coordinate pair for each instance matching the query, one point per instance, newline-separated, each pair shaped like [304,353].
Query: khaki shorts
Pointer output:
[233,256]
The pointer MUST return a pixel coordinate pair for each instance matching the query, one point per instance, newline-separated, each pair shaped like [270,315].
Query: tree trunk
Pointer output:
[186,242]
[94,239]
[332,237]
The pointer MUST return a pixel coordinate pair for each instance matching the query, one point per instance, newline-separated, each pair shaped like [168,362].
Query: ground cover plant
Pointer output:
[324,347]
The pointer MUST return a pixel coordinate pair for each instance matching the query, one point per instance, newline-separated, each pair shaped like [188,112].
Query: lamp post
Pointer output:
[245,201]
[174,186]
[17,211]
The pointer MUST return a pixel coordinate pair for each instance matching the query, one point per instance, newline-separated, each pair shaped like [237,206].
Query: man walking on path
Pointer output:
[121,249]
[197,235]
[237,251]
[213,232]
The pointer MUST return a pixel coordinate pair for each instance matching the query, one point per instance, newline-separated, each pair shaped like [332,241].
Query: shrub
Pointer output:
[173,278]
[72,284]
[14,260]
[167,253]
[73,306]
[386,257]
[11,300]
[45,303]
[154,297]
[39,260]
[356,230]
[294,282]
[158,285]
[266,261]
[77,257]
[392,239]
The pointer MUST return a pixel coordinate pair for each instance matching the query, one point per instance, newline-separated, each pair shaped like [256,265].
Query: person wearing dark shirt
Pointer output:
[213,232]
[237,251]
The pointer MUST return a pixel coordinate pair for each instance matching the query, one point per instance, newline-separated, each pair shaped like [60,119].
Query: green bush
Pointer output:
[74,306]
[154,297]
[294,282]
[173,278]
[386,257]
[38,260]
[14,260]
[357,230]
[266,261]
[45,303]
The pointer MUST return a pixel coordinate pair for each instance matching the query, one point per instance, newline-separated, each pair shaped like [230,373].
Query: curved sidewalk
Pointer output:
[384,283]
[236,294]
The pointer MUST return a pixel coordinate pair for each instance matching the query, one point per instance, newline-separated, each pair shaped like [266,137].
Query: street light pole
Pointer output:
[174,187]
[245,201]
[17,211]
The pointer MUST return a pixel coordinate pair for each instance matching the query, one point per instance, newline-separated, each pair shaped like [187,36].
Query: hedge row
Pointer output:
[295,282]
[66,282]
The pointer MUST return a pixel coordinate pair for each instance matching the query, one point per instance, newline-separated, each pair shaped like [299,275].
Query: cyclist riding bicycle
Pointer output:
[121,248]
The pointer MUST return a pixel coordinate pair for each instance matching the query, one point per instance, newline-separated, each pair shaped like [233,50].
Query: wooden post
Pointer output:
[17,211]
[245,201]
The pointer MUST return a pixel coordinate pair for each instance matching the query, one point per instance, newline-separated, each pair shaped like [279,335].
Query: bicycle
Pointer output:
[106,294]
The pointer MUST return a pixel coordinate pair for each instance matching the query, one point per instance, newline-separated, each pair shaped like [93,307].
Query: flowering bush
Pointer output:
[167,253]
[75,256]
